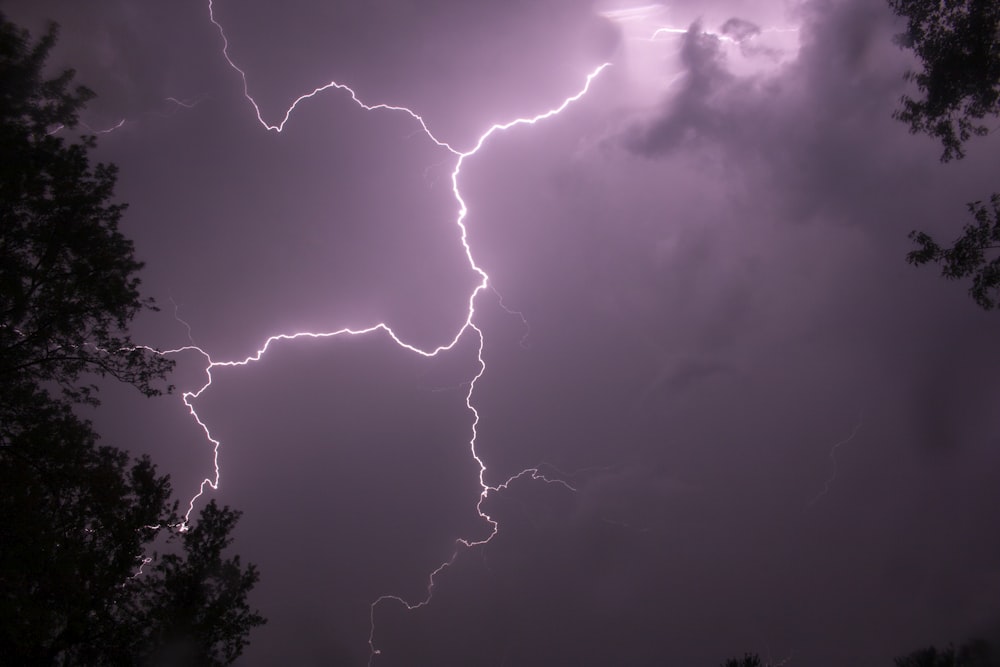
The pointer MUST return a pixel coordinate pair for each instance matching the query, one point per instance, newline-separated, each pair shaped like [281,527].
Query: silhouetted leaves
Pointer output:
[958,44]
[193,604]
[976,653]
[748,660]
[76,523]
[73,520]
[76,518]
[969,255]
[68,277]
[956,41]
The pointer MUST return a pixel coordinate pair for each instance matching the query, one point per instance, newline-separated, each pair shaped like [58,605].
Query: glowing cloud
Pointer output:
[652,40]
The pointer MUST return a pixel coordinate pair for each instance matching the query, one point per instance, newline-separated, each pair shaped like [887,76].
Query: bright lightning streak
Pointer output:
[190,397]
[721,36]
[138,573]
[332,84]
[668,31]
[637,19]
[463,210]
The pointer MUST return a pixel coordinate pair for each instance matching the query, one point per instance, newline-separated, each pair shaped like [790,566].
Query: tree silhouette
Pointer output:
[73,520]
[77,518]
[193,605]
[68,283]
[976,653]
[748,660]
[958,44]
[968,255]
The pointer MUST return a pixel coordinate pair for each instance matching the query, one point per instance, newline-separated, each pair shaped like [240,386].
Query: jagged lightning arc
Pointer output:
[190,397]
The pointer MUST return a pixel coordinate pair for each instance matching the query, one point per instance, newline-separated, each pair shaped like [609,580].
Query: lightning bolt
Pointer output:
[650,39]
[721,36]
[463,210]
[186,104]
[107,130]
[174,102]
[468,326]
[833,460]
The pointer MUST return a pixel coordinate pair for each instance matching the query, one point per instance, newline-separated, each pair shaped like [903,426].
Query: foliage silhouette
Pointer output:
[68,283]
[748,660]
[958,45]
[75,522]
[76,517]
[956,42]
[193,604]
[976,653]
[967,256]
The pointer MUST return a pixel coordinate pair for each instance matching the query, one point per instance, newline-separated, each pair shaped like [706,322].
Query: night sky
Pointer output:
[779,437]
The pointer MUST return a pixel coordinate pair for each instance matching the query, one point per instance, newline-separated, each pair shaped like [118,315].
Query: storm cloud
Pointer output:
[700,289]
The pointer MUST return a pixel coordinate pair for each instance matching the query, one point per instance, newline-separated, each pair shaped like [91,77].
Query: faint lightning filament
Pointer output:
[833,460]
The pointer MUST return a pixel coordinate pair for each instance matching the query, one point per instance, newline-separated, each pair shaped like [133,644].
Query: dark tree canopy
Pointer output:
[76,523]
[74,518]
[957,44]
[193,604]
[976,653]
[68,277]
[748,660]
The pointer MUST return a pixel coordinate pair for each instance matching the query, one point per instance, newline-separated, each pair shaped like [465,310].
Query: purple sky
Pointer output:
[708,249]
